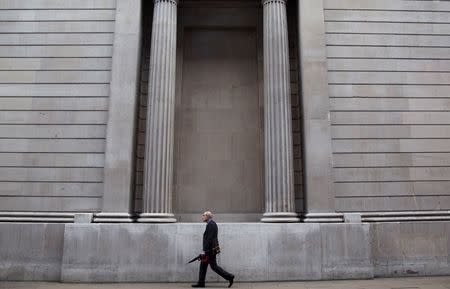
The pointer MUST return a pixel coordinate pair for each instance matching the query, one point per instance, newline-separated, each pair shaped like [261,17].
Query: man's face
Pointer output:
[205,218]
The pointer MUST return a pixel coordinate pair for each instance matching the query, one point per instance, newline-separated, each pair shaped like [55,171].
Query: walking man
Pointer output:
[210,249]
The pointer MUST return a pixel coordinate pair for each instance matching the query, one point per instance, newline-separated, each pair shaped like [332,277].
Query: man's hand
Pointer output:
[204,258]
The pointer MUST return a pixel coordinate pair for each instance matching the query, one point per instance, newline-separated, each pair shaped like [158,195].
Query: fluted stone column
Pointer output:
[279,170]
[158,169]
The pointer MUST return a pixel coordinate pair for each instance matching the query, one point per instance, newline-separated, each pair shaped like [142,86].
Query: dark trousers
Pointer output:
[216,268]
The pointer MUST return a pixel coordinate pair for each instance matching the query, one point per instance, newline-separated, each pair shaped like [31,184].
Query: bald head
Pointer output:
[206,216]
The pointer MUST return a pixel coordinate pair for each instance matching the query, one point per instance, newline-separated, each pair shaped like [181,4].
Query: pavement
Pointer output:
[442,282]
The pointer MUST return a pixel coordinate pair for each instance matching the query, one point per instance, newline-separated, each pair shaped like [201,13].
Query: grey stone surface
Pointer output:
[55,4]
[45,58]
[388,103]
[218,131]
[346,251]
[83,217]
[218,160]
[318,178]
[352,217]
[252,251]
[411,248]
[121,127]
[31,251]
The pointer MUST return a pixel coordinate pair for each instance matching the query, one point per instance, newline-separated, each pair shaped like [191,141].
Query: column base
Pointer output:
[114,218]
[157,218]
[280,217]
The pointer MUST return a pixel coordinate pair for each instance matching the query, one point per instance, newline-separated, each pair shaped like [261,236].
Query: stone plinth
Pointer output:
[251,251]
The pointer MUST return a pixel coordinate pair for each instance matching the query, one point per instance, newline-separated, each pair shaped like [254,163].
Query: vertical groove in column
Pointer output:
[165,94]
[279,188]
[165,132]
[274,50]
[173,47]
[150,111]
[267,108]
[289,191]
[155,118]
[267,180]
[280,96]
[158,166]
[171,91]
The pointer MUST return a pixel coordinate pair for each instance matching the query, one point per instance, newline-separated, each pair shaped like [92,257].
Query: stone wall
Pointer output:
[389,83]
[31,251]
[411,249]
[55,59]
[252,251]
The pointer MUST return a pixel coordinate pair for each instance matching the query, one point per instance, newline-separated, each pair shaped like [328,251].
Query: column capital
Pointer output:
[175,2]
[264,2]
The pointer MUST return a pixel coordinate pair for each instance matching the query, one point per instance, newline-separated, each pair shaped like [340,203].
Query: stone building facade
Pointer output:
[317,131]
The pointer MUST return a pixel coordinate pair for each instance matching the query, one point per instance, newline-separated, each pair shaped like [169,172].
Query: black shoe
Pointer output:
[231,282]
[198,285]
